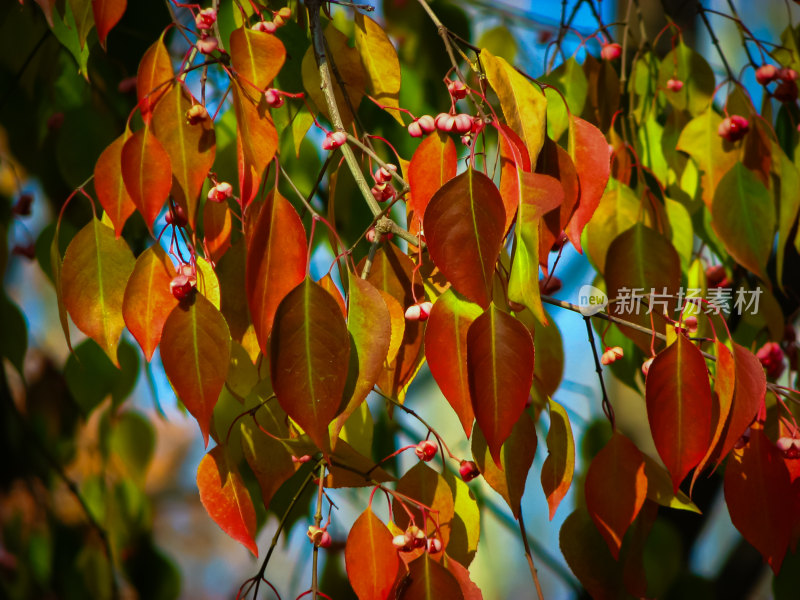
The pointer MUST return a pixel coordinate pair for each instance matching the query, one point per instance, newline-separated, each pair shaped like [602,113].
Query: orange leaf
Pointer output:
[195,350]
[425,485]
[679,407]
[370,558]
[147,173]
[556,162]
[226,498]
[516,457]
[153,77]
[148,300]
[446,351]
[276,262]
[559,466]
[257,57]
[758,491]
[93,276]
[191,148]
[589,151]
[217,226]
[500,366]
[309,358]
[428,580]
[616,488]
[109,185]
[433,164]
[107,13]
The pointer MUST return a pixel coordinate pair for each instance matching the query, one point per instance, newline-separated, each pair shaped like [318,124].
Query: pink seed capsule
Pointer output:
[273,98]
[427,123]
[205,19]
[426,450]
[468,470]
[333,140]
[207,45]
[265,27]
[457,90]
[462,123]
[445,122]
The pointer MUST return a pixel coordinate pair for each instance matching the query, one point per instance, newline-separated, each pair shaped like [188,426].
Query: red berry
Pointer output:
[457,89]
[384,174]
[205,19]
[301,459]
[789,447]
[468,470]
[786,91]
[611,51]
[319,536]
[333,140]
[733,128]
[182,285]
[220,192]
[674,85]
[383,192]
[766,73]
[273,98]
[127,85]
[462,123]
[787,74]
[176,216]
[690,324]
[416,537]
[402,543]
[426,450]
[434,545]
[419,311]
[771,357]
[550,286]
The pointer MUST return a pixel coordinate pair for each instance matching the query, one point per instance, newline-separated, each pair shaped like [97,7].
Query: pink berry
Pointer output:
[766,73]
[401,543]
[220,192]
[319,536]
[611,51]
[551,286]
[182,285]
[787,74]
[333,140]
[646,366]
[265,27]
[384,174]
[426,450]
[273,98]
[462,123]
[176,216]
[419,311]
[127,85]
[207,45]
[611,355]
[733,128]
[434,545]
[427,123]
[445,122]
[457,90]
[205,19]
[771,357]
[384,236]
[416,537]
[301,459]
[414,129]
[468,470]
[786,91]
[674,85]
[789,447]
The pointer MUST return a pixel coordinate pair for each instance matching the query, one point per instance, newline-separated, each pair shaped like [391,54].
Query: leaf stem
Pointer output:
[317,522]
[529,557]
[607,408]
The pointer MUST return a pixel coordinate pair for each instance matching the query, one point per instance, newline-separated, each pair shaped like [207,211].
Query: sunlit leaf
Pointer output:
[464,228]
[380,62]
[148,300]
[500,368]
[446,351]
[559,465]
[432,165]
[616,488]
[147,173]
[153,77]
[217,226]
[93,277]
[109,185]
[370,558]
[309,356]
[257,57]
[195,350]
[226,499]
[276,262]
[107,14]
[516,457]
[684,64]
[679,405]
[465,529]
[743,215]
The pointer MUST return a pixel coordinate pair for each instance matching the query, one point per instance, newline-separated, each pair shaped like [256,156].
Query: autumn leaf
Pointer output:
[107,14]
[109,185]
[152,78]
[380,62]
[257,57]
[559,466]
[432,165]
[147,173]
[370,558]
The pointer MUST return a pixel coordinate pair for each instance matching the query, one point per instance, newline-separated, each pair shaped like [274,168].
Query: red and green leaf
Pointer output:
[147,173]
[257,57]
[464,228]
[109,185]
[559,466]
[433,164]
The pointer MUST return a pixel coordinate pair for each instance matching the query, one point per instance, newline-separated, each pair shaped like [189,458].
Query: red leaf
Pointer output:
[446,351]
[391,273]
[428,580]
[310,352]
[195,350]
[152,79]
[616,488]
[589,151]
[679,406]
[257,57]
[109,185]
[556,162]
[464,227]
[500,367]
[96,268]
[517,455]
[256,142]
[461,573]
[226,498]
[276,262]
[758,491]
[370,558]
[425,485]
[148,300]
[329,284]
[433,164]
[147,173]
[559,466]
[191,148]
[107,13]
[513,159]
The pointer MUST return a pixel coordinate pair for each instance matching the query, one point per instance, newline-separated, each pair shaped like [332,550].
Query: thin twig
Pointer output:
[607,408]
[529,556]
[317,522]
[702,11]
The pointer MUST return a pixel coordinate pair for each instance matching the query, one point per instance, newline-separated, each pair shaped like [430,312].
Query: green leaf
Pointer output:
[570,80]
[691,68]
[744,219]
[559,466]
[66,32]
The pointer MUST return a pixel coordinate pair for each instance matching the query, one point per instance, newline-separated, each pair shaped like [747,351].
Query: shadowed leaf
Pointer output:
[109,185]
[559,465]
